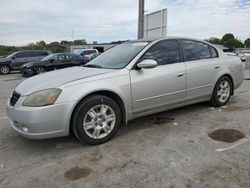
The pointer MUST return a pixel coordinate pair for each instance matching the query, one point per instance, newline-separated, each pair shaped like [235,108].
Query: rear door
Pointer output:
[202,64]
[164,85]
[61,62]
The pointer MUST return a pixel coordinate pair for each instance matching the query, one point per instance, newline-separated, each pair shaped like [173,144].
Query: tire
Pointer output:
[96,120]
[5,69]
[222,92]
[25,75]
[39,70]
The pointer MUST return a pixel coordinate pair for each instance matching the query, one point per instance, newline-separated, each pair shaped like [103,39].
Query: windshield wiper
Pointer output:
[93,66]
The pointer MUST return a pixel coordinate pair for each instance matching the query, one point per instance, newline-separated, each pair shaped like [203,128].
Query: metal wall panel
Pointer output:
[155,24]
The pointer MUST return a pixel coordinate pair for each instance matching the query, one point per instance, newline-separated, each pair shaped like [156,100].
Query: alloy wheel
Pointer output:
[223,92]
[5,69]
[40,70]
[99,121]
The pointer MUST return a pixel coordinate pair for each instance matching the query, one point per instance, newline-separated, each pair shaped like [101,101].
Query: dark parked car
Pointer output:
[16,60]
[51,62]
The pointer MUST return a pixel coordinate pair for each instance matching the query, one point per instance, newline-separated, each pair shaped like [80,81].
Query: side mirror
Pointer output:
[147,64]
[52,60]
[13,57]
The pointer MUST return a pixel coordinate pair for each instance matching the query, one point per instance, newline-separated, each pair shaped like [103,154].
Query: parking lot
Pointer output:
[170,149]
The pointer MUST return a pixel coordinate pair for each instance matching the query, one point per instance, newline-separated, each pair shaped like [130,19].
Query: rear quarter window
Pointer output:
[214,52]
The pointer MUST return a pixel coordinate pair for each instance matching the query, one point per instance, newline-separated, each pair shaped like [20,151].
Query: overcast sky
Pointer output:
[24,21]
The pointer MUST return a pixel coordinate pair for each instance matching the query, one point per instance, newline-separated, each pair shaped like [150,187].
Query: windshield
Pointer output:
[78,52]
[119,56]
[48,57]
[11,55]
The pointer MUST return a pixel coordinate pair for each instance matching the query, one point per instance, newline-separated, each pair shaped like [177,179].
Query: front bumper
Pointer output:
[26,72]
[40,122]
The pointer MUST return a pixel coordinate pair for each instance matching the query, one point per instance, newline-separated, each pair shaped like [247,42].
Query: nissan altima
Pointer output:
[130,80]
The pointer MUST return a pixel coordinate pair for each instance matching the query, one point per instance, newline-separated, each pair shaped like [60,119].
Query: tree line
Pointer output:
[230,41]
[55,47]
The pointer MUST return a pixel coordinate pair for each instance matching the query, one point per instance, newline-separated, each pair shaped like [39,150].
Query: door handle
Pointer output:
[217,67]
[181,74]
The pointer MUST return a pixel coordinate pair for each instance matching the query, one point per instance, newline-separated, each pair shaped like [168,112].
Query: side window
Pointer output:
[214,52]
[164,52]
[69,57]
[38,53]
[193,50]
[88,52]
[22,55]
[44,54]
[19,55]
[34,54]
[60,57]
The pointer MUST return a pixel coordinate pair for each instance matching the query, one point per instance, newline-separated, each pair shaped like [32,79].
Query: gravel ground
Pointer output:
[170,149]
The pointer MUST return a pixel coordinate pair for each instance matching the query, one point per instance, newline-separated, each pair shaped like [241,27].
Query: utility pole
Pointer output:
[141,19]
[73,37]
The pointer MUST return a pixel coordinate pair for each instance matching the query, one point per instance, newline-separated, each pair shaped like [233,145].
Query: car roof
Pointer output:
[34,51]
[165,38]
[66,53]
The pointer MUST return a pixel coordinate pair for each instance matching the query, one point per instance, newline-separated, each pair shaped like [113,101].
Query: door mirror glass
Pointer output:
[147,64]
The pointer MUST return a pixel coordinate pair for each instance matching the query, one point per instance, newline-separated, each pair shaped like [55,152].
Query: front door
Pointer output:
[20,59]
[162,86]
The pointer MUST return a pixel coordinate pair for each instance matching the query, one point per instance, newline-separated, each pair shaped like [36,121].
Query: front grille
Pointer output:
[14,98]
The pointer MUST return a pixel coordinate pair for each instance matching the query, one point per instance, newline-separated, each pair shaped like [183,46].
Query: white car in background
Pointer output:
[242,57]
[85,52]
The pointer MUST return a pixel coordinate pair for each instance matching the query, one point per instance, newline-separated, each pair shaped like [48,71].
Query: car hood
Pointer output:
[30,64]
[57,78]
[4,59]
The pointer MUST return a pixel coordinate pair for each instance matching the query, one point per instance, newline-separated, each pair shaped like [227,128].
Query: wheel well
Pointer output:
[6,65]
[231,79]
[111,95]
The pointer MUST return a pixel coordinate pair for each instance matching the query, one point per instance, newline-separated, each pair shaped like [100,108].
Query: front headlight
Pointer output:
[42,98]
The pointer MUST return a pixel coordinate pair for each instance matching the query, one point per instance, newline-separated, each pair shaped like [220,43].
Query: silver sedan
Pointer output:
[130,80]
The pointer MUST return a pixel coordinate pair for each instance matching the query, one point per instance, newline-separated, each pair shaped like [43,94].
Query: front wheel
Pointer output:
[96,120]
[5,69]
[222,92]
[39,70]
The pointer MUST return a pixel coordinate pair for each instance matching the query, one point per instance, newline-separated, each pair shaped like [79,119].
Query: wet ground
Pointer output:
[193,146]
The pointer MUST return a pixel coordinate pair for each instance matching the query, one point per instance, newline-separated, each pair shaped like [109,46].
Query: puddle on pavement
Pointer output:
[76,173]
[226,135]
[163,120]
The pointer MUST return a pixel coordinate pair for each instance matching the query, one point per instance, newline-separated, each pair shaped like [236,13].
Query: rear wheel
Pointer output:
[5,69]
[222,92]
[96,120]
